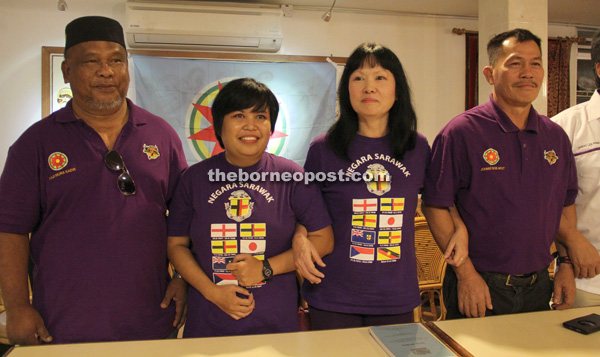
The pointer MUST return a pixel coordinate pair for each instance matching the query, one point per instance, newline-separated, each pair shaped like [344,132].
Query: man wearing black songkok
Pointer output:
[98,238]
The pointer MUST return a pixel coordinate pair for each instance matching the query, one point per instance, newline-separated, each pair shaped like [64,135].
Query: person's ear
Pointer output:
[488,72]
[64,66]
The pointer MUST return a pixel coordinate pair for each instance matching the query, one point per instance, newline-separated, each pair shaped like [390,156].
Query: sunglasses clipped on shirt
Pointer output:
[114,161]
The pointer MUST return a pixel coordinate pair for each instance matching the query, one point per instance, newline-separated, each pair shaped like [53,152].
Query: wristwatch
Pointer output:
[267,271]
[563,260]
[176,275]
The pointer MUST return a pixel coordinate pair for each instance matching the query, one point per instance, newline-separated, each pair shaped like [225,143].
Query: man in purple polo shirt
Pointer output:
[98,238]
[509,171]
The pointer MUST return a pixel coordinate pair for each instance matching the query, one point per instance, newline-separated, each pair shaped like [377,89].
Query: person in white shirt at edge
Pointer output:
[582,124]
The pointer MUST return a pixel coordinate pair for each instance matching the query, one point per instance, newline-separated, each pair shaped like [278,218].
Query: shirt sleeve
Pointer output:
[572,186]
[313,162]
[177,164]
[181,207]
[309,207]
[20,190]
[307,200]
[443,174]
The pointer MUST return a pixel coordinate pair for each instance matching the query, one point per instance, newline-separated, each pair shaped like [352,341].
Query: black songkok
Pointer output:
[93,28]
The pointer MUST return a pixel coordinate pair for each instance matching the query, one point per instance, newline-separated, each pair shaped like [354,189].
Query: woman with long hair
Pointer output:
[371,277]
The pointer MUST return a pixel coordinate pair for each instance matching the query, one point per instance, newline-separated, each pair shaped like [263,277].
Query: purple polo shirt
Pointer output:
[509,185]
[373,268]
[226,218]
[100,264]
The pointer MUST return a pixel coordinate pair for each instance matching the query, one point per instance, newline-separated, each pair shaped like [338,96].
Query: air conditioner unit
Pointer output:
[203,26]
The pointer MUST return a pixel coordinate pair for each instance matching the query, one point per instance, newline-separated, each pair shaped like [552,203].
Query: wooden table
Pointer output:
[529,334]
[348,342]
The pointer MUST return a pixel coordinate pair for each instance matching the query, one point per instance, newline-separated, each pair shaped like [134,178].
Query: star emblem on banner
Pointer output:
[208,133]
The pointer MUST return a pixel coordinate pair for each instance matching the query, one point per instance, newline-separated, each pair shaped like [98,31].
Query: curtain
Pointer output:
[558,75]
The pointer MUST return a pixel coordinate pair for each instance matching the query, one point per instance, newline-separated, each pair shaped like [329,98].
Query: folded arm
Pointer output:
[473,293]
[449,232]
[564,282]
[585,257]
[309,248]
[24,325]
[225,296]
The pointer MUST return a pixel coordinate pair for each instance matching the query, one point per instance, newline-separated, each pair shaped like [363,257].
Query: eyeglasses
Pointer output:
[114,161]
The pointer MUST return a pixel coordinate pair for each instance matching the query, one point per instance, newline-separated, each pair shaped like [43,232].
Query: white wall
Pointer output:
[433,57]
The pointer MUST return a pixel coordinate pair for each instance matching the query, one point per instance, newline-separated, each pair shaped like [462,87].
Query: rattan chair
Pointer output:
[431,268]
[3,337]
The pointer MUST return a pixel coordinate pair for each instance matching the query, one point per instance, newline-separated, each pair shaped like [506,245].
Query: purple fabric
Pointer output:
[358,278]
[100,264]
[264,225]
[327,320]
[511,207]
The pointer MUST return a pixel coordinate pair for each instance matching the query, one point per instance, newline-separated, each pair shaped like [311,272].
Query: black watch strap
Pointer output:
[267,271]
[563,260]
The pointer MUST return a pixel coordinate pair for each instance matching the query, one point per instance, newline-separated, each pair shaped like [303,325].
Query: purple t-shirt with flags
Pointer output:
[372,269]
[509,185]
[227,217]
[100,259]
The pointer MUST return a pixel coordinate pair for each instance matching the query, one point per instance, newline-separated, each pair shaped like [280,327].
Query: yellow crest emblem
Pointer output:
[151,151]
[550,156]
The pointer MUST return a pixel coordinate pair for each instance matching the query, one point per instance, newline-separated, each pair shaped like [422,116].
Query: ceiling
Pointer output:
[574,12]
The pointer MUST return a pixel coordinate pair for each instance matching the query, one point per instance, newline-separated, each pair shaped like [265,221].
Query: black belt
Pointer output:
[516,279]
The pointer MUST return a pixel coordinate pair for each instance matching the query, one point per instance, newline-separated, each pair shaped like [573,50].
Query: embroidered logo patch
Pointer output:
[491,156]
[151,151]
[550,156]
[57,161]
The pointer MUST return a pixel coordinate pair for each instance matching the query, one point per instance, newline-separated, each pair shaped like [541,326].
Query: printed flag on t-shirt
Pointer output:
[253,230]
[224,246]
[388,253]
[360,236]
[220,263]
[362,253]
[224,279]
[390,221]
[252,246]
[239,206]
[392,204]
[390,237]
[364,220]
[223,230]
[364,205]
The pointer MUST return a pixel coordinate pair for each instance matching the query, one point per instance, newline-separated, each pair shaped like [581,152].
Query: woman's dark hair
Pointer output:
[239,94]
[402,121]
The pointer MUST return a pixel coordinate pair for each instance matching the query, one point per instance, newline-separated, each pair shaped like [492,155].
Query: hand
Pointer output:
[564,287]
[304,255]
[585,258]
[25,326]
[177,291]
[473,294]
[225,297]
[457,250]
[246,269]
